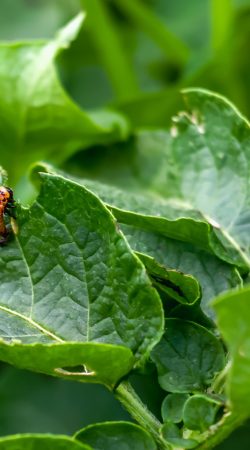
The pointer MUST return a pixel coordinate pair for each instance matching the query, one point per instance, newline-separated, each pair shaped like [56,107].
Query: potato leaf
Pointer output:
[213,274]
[68,275]
[188,357]
[200,175]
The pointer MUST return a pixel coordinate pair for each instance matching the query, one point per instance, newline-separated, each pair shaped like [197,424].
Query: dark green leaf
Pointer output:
[213,275]
[69,275]
[116,435]
[172,407]
[233,312]
[200,412]
[188,357]
[40,442]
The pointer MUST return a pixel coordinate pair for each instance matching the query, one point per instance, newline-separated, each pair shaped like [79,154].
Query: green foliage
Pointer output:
[113,435]
[172,434]
[182,364]
[172,407]
[67,264]
[200,412]
[127,255]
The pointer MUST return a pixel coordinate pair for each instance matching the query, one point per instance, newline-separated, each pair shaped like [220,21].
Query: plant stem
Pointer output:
[145,18]
[133,404]
[222,430]
[139,412]
[106,40]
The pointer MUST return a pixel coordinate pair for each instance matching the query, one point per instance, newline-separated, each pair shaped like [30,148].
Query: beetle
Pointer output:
[7,203]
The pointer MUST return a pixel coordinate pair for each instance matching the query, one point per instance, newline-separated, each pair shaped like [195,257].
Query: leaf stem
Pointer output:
[106,39]
[151,24]
[133,404]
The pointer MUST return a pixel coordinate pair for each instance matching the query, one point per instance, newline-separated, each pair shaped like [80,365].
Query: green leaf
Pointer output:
[214,275]
[233,312]
[172,407]
[200,412]
[202,194]
[39,120]
[172,434]
[169,217]
[69,275]
[40,442]
[188,357]
[88,362]
[116,435]
[183,288]
[213,174]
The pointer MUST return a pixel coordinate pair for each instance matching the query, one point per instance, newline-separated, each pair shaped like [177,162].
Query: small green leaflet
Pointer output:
[188,357]
[172,407]
[200,412]
[173,435]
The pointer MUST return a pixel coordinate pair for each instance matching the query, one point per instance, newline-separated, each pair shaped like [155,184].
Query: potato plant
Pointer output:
[130,254]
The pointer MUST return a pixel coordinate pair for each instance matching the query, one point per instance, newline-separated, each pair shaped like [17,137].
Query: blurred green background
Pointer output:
[135,56]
